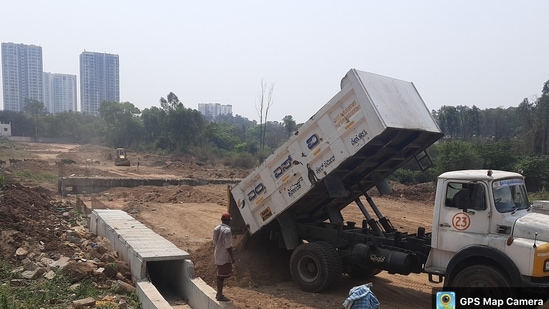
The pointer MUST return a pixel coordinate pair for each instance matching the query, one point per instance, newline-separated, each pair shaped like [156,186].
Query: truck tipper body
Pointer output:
[369,129]
[482,223]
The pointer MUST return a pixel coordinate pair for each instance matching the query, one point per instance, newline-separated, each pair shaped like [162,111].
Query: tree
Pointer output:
[21,125]
[171,103]
[265,102]
[289,124]
[185,127]
[154,124]
[456,155]
[449,121]
[471,122]
[82,128]
[502,155]
[221,135]
[534,117]
[536,170]
[34,108]
[527,115]
[124,127]
[542,107]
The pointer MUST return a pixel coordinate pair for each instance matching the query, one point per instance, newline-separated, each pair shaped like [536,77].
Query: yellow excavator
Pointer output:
[121,158]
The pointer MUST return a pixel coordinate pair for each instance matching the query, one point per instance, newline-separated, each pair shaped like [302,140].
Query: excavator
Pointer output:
[121,159]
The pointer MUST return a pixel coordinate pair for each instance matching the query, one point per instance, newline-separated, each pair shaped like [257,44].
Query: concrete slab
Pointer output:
[133,240]
[152,258]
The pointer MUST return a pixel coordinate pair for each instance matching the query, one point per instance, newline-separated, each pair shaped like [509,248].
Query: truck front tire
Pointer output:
[480,276]
[491,281]
[316,266]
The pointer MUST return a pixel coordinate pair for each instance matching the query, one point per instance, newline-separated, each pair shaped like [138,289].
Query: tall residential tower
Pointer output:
[59,92]
[21,75]
[99,80]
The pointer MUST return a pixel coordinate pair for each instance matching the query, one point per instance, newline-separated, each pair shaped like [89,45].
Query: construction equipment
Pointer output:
[368,130]
[121,158]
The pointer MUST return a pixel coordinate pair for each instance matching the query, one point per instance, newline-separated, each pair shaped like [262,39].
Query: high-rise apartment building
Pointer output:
[99,80]
[21,75]
[212,110]
[59,92]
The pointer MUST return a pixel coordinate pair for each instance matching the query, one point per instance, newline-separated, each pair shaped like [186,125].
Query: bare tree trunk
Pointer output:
[260,112]
[265,102]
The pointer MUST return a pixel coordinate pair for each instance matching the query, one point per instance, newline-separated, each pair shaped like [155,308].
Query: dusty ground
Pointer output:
[187,215]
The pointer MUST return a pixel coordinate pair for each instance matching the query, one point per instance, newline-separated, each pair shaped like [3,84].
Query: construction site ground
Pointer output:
[186,216]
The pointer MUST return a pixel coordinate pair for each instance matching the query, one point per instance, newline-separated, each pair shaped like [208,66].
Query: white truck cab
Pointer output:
[484,232]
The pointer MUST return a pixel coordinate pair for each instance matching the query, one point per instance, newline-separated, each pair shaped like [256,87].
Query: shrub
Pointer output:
[404,176]
[408,177]
[243,160]
[536,170]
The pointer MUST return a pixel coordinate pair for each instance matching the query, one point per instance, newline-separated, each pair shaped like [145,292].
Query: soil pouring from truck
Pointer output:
[483,231]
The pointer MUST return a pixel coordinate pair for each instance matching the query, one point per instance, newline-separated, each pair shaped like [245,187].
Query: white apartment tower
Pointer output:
[99,80]
[60,92]
[212,110]
[21,75]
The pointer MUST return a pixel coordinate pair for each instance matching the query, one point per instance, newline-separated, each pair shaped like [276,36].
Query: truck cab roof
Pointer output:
[477,175]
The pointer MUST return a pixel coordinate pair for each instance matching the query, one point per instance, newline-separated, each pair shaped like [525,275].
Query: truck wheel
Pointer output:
[315,266]
[480,276]
[483,276]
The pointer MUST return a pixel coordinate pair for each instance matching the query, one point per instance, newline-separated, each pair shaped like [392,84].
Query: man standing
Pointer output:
[223,253]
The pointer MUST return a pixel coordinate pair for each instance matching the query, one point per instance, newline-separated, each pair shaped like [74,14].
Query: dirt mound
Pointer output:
[259,262]
[31,219]
[166,194]
[192,168]
[422,192]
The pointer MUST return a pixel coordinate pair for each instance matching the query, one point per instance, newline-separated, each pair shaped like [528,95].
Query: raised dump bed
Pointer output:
[369,129]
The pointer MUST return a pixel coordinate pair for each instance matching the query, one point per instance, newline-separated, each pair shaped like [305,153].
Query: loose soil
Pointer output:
[186,216]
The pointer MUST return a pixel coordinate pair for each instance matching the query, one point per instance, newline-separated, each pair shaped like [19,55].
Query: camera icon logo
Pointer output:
[446,300]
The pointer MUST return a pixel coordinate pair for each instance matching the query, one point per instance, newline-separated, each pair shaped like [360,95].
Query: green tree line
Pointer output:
[513,138]
[170,128]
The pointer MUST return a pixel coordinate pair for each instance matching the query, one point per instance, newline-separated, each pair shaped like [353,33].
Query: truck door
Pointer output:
[464,217]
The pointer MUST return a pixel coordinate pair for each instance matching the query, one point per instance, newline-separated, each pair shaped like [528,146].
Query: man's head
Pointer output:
[226,217]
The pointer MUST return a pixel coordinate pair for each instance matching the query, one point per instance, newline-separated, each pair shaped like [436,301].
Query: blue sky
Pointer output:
[484,53]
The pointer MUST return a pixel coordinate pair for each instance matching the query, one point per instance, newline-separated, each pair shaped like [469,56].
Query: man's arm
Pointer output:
[230,250]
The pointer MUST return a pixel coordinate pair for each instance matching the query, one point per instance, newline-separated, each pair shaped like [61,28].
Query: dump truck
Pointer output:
[483,232]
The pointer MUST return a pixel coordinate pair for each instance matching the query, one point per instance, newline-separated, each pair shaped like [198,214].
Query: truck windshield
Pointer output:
[510,195]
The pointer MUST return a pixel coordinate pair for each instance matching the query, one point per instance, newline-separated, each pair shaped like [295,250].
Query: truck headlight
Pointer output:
[546,266]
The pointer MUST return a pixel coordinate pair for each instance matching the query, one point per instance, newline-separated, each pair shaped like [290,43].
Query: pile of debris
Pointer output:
[43,237]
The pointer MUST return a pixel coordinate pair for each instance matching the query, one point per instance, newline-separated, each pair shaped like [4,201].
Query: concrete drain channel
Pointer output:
[160,269]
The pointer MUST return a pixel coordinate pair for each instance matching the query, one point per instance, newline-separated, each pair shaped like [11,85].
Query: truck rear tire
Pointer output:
[316,266]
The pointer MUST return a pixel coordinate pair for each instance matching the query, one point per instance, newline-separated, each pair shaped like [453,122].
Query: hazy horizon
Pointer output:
[489,54]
